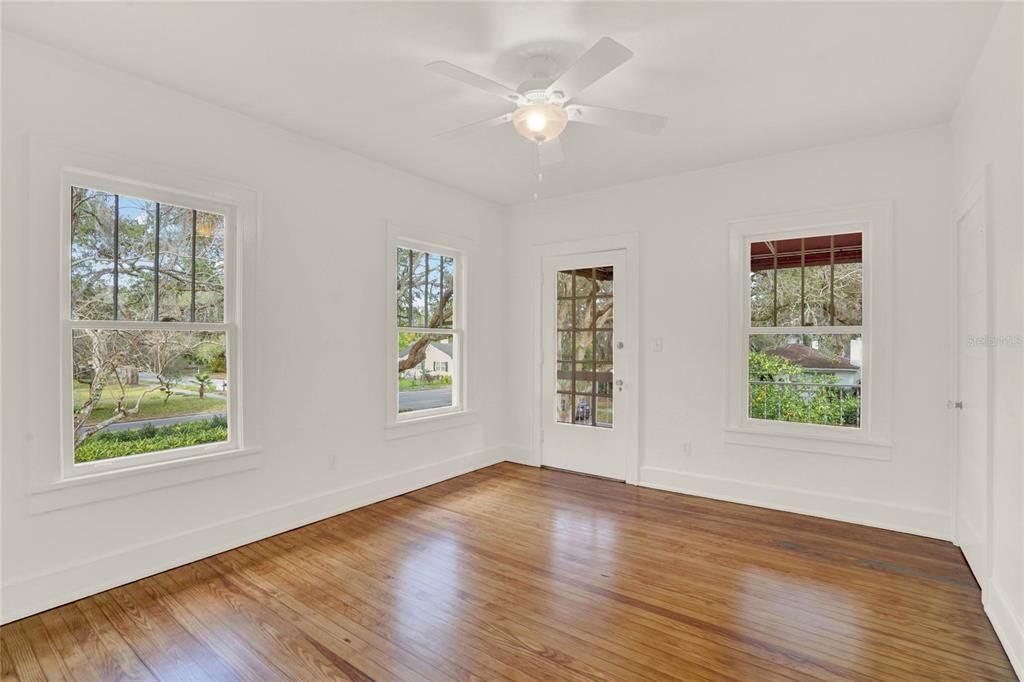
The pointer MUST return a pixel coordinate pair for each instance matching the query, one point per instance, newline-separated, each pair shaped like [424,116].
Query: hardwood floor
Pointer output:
[518,573]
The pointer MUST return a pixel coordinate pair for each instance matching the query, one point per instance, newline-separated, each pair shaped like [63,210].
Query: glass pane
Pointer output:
[604,411]
[424,295]
[448,291]
[92,254]
[563,408]
[425,364]
[156,390]
[584,410]
[806,378]
[433,277]
[584,313]
[604,378]
[175,264]
[849,287]
[136,227]
[812,281]
[787,285]
[589,313]
[603,346]
[817,295]
[584,282]
[762,292]
[584,345]
[564,284]
[210,256]
[565,346]
[565,309]
[604,279]
[603,312]
[563,380]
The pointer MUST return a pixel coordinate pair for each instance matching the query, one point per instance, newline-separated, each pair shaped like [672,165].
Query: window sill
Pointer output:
[854,445]
[86,489]
[436,422]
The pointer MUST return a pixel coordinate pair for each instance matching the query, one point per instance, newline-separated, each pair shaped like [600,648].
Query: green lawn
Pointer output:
[419,384]
[153,405]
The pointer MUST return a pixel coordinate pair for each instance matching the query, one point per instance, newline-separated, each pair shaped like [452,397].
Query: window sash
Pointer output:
[452,259]
[115,292]
[454,369]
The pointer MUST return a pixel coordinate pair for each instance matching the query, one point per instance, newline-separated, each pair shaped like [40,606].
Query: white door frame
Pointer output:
[976,195]
[630,243]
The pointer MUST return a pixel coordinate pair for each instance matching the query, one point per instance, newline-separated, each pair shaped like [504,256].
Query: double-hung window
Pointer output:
[810,331]
[149,326]
[427,333]
[805,333]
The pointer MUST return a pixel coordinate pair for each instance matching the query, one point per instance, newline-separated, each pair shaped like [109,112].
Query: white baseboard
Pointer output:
[59,586]
[931,523]
[1008,627]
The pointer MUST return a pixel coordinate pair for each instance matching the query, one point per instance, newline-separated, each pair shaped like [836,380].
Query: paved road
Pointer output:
[166,421]
[425,399]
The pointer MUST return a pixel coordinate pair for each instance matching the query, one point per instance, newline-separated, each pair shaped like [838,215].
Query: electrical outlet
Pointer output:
[332,462]
[687,449]
[656,345]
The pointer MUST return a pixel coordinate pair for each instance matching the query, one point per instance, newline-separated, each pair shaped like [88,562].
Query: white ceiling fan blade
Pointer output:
[473,127]
[605,56]
[648,124]
[477,81]
[550,152]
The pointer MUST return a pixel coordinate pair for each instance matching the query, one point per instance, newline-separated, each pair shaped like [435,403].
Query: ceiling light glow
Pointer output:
[540,122]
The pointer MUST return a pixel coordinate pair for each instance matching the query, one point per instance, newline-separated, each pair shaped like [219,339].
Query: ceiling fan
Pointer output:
[544,107]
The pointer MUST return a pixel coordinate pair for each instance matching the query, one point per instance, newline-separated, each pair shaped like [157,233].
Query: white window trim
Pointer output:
[422,421]
[57,481]
[873,439]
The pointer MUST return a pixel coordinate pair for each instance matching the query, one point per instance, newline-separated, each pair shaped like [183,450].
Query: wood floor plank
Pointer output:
[518,573]
[664,566]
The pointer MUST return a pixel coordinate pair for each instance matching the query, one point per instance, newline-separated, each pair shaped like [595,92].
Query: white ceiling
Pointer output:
[738,80]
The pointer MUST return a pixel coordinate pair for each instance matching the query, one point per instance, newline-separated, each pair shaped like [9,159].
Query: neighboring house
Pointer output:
[816,362]
[437,361]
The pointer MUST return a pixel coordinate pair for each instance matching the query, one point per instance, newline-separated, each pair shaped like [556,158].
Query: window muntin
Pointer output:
[805,334]
[428,332]
[583,343]
[149,341]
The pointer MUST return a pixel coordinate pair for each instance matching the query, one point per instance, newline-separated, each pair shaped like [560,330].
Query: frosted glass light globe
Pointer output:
[540,122]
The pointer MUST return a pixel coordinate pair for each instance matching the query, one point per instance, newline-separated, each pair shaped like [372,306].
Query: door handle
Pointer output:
[618,382]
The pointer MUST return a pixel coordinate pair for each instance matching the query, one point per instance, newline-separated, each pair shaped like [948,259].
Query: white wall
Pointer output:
[322,257]
[682,221]
[987,131]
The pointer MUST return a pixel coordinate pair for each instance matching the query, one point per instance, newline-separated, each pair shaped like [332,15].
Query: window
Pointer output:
[805,335]
[810,332]
[427,333]
[149,326]
[583,375]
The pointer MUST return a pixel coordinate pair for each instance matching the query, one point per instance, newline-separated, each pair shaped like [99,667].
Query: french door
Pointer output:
[587,383]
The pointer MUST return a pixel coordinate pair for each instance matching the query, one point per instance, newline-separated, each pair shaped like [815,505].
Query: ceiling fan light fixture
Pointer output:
[540,122]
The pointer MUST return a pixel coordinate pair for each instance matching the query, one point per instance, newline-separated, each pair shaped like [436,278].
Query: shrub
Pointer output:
[149,438]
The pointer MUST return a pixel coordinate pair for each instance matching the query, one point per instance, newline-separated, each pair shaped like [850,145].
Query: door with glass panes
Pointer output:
[584,379]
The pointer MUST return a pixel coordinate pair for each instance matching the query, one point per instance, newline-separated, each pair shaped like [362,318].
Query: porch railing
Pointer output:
[805,402]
